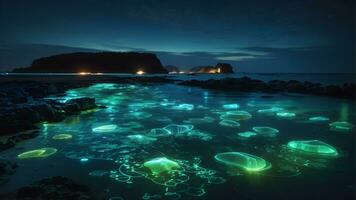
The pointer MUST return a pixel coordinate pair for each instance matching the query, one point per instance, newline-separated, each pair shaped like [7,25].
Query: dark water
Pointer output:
[109,147]
[326,79]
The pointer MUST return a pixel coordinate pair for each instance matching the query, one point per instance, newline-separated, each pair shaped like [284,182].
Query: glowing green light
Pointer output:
[160,165]
[205,119]
[84,160]
[229,123]
[285,114]
[63,136]
[270,110]
[142,139]
[236,115]
[313,147]
[247,134]
[159,132]
[319,119]
[243,161]
[183,107]
[38,153]
[341,126]
[104,128]
[231,106]
[265,131]
[178,129]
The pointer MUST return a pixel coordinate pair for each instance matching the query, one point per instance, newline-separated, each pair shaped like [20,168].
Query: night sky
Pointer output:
[254,36]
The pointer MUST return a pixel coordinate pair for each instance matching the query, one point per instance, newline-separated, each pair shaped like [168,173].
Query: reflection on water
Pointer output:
[173,142]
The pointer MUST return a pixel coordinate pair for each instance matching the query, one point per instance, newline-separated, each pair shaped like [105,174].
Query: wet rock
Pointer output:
[225,68]
[74,106]
[54,188]
[246,84]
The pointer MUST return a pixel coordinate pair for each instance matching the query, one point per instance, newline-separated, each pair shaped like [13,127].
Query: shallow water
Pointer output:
[109,147]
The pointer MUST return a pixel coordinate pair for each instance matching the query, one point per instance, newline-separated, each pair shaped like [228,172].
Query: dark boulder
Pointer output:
[225,68]
[74,106]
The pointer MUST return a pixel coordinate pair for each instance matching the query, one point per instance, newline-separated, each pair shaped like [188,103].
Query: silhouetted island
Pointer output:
[103,62]
[222,68]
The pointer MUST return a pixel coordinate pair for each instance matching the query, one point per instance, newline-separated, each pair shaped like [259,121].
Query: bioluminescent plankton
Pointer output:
[160,165]
[313,147]
[246,134]
[236,115]
[176,129]
[265,131]
[205,119]
[183,106]
[286,114]
[229,123]
[104,128]
[243,161]
[341,126]
[159,132]
[37,153]
[271,110]
[319,119]
[63,136]
[142,139]
[231,106]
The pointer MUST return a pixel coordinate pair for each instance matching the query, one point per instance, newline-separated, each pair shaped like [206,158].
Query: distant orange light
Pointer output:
[84,73]
[140,72]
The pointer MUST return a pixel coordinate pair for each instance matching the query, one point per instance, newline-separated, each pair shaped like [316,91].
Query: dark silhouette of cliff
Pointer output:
[222,68]
[104,62]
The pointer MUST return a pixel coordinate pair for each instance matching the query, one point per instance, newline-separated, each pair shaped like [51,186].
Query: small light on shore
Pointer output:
[140,72]
[84,73]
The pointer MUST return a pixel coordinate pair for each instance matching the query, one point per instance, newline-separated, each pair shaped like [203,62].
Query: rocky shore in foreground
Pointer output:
[245,84]
[23,105]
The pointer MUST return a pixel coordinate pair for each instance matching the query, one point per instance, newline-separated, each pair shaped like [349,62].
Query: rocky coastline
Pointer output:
[246,84]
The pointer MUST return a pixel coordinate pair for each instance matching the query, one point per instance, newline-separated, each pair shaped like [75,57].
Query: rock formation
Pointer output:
[104,62]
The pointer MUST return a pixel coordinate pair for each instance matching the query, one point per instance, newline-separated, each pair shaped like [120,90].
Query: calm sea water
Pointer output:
[109,147]
[318,78]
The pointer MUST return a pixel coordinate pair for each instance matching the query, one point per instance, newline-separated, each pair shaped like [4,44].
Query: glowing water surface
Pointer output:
[176,142]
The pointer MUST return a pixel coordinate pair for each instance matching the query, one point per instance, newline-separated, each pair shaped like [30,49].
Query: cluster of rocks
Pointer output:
[222,68]
[245,84]
[54,188]
[22,106]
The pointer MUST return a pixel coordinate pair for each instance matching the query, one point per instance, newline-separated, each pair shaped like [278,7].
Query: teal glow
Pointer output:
[313,147]
[84,160]
[229,123]
[105,128]
[265,131]
[159,132]
[247,134]
[231,106]
[285,114]
[243,161]
[319,119]
[236,115]
[271,110]
[63,136]
[160,165]
[178,129]
[341,126]
[142,139]
[183,107]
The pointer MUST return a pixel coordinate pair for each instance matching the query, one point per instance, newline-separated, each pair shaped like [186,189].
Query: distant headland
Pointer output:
[113,62]
[103,62]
